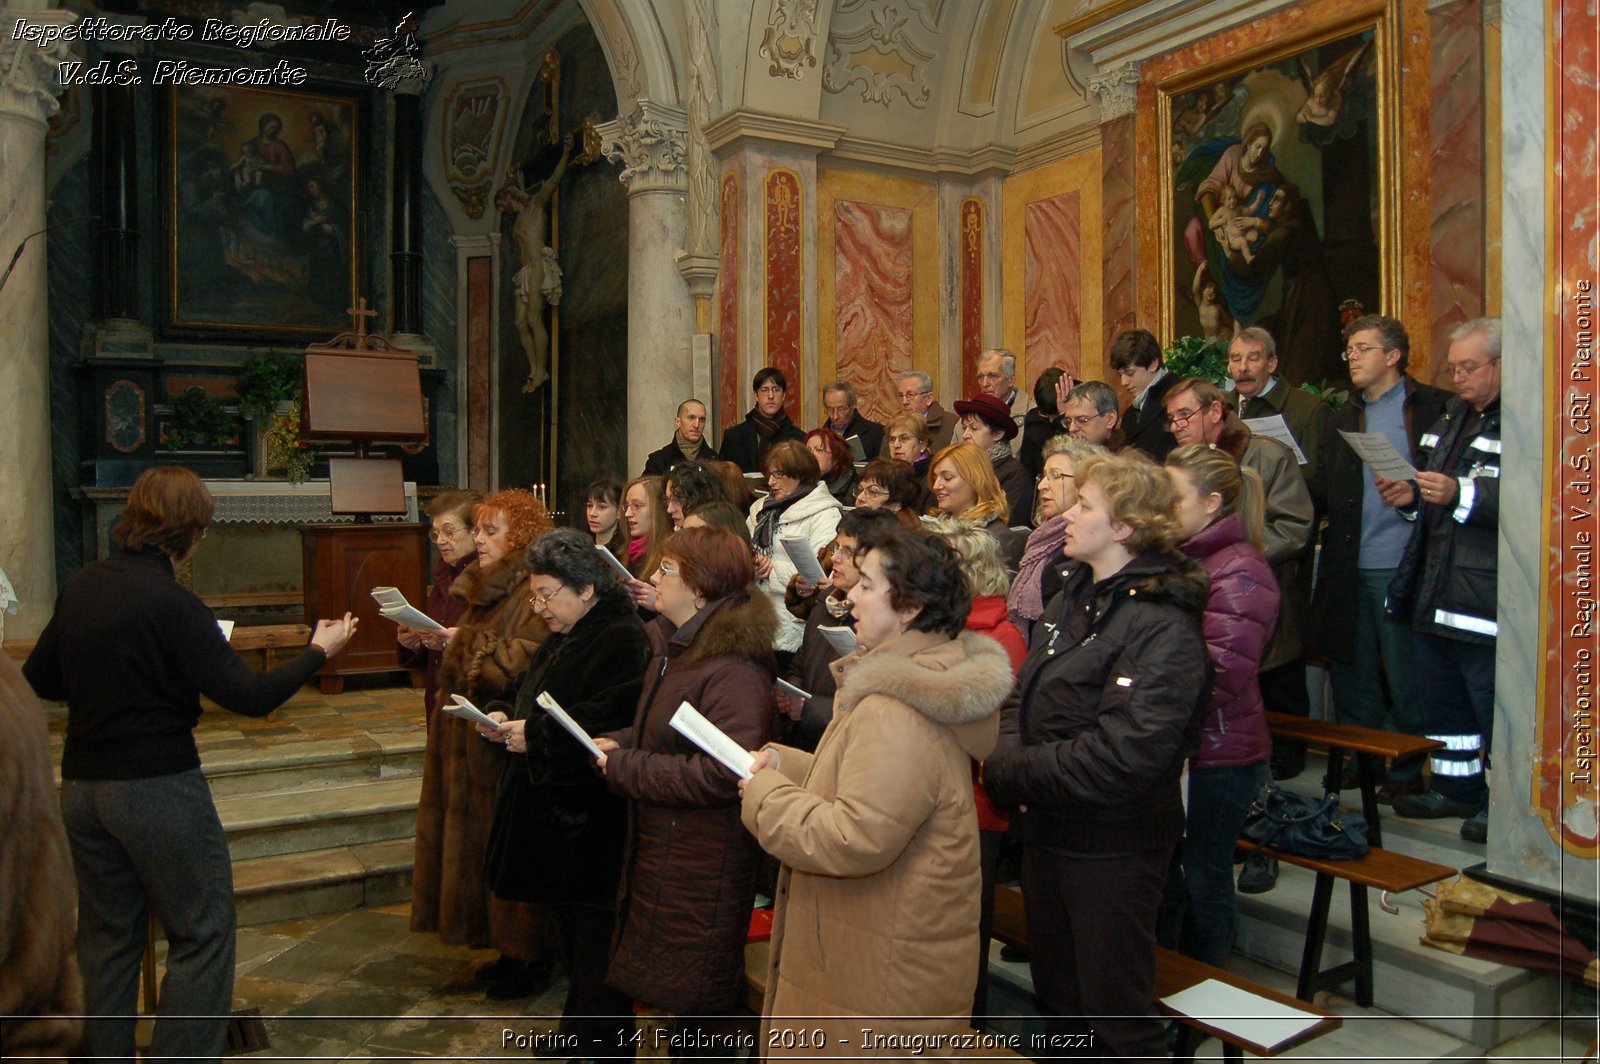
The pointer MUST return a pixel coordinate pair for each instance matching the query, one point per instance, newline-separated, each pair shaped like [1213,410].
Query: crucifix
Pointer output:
[358,319]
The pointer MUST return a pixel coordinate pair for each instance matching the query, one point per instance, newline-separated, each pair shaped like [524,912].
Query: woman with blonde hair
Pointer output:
[644,511]
[1220,510]
[1114,686]
[964,486]
[492,645]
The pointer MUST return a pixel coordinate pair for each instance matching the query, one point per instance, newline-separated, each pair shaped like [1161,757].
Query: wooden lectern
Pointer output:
[360,387]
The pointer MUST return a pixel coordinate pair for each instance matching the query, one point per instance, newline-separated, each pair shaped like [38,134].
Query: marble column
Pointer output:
[27,535]
[1115,91]
[651,144]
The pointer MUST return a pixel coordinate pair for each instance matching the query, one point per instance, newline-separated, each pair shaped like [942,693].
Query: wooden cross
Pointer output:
[358,317]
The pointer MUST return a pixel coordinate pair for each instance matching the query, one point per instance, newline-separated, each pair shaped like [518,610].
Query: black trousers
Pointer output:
[597,1016]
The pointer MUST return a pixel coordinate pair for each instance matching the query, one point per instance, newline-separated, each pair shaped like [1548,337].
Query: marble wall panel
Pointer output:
[785,280]
[1456,176]
[1118,250]
[873,251]
[1052,285]
[971,241]
[729,277]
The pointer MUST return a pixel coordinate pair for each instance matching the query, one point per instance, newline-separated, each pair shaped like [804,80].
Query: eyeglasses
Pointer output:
[913,395]
[1358,350]
[446,532]
[1056,476]
[872,491]
[1180,419]
[770,389]
[540,601]
[635,507]
[902,439]
[989,376]
[666,569]
[837,411]
[1081,420]
[1462,372]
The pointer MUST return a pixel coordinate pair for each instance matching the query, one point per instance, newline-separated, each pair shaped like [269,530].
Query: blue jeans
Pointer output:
[1455,687]
[1357,688]
[1199,912]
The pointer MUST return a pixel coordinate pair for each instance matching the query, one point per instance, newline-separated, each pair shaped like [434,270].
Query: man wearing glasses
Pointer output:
[746,444]
[1364,540]
[1446,581]
[915,390]
[839,401]
[1090,414]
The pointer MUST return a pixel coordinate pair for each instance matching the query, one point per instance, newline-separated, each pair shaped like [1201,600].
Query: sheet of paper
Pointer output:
[1375,449]
[804,559]
[460,707]
[692,725]
[839,637]
[227,629]
[1241,1013]
[548,703]
[790,689]
[1278,429]
[392,605]
[616,564]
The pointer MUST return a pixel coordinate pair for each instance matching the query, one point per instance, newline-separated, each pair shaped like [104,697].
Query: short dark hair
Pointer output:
[766,374]
[793,458]
[722,514]
[695,484]
[1135,347]
[1099,393]
[605,489]
[897,478]
[570,556]
[713,562]
[1044,390]
[1391,333]
[860,523]
[923,571]
[168,508]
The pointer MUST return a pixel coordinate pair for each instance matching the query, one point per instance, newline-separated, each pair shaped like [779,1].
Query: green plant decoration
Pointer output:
[198,420]
[285,449]
[1334,397]
[1197,356]
[267,380]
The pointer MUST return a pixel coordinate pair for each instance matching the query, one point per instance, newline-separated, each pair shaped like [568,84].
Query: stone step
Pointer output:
[313,882]
[316,818]
[234,771]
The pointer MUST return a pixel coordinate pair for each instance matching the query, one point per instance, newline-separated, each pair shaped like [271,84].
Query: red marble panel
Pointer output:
[784,276]
[1565,789]
[971,293]
[1052,284]
[728,278]
[872,291]
[1117,210]
[478,358]
[1456,167]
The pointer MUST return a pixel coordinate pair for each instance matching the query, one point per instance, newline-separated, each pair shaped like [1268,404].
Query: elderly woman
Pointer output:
[450,517]
[890,484]
[131,650]
[836,463]
[964,487]
[498,633]
[558,831]
[1038,574]
[986,423]
[877,916]
[908,439]
[1092,743]
[689,871]
[799,507]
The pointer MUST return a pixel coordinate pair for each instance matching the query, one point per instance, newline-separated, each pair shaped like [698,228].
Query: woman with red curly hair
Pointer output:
[492,644]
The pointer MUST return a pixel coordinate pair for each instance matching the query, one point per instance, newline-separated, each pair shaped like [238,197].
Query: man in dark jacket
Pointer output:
[839,401]
[1260,393]
[688,441]
[1136,358]
[1364,539]
[746,444]
[1445,585]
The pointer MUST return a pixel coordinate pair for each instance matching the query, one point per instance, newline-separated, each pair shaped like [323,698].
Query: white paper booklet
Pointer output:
[1239,1012]
[1375,449]
[692,725]
[839,637]
[393,606]
[804,559]
[460,707]
[612,560]
[790,689]
[1278,429]
[563,718]
[227,630]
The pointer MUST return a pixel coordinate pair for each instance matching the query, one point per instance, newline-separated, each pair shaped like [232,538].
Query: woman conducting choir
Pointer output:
[877,916]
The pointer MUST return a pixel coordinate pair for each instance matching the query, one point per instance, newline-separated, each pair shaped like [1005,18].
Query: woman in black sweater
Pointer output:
[131,651]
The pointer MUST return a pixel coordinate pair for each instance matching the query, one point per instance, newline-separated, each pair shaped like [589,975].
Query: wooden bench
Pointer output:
[1339,739]
[19,649]
[1380,869]
[268,639]
[1175,973]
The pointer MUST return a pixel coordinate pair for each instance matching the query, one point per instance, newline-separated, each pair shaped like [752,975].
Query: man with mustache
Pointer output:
[1258,391]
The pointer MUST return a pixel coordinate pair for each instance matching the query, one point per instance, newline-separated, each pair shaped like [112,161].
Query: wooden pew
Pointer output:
[1339,739]
[267,639]
[1380,869]
[1174,973]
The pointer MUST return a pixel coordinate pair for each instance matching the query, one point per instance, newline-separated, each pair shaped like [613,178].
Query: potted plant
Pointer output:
[197,420]
[1198,356]
[268,381]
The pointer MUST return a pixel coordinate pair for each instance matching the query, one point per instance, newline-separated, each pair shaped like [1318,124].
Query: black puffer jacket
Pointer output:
[1446,584]
[1107,707]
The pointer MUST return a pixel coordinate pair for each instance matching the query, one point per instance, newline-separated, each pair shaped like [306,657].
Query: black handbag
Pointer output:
[1307,827]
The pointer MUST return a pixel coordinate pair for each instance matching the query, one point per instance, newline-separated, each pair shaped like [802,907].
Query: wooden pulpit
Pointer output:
[360,387]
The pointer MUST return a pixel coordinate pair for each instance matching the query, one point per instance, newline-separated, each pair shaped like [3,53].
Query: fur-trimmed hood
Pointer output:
[742,625]
[484,585]
[956,682]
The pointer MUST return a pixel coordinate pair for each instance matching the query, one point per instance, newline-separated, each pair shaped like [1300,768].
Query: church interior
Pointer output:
[571,215]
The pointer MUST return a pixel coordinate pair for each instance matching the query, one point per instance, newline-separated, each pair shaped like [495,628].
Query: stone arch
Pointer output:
[642,41]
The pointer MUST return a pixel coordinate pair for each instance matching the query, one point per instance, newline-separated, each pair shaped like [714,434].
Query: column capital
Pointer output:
[1115,91]
[418,85]
[652,145]
[28,83]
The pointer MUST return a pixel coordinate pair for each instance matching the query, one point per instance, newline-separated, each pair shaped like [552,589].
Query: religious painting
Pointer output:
[1277,206]
[261,210]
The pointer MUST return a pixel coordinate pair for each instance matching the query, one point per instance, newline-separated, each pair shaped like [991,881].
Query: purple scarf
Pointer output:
[1026,601]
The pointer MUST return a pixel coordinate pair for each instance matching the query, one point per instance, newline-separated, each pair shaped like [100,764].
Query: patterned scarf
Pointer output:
[1025,604]
[689,451]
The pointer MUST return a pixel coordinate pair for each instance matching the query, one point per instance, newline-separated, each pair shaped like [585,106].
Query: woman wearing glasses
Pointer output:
[1039,574]
[689,870]
[909,440]
[800,507]
[450,514]
[558,832]
[890,484]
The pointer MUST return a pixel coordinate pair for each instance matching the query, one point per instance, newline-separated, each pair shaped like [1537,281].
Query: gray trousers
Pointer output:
[142,846]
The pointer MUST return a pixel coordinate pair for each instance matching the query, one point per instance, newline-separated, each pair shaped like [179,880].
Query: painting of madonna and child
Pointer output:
[1276,204]
[262,194]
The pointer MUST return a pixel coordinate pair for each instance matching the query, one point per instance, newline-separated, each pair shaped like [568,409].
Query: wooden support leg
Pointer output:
[1369,798]
[1316,931]
[1361,944]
